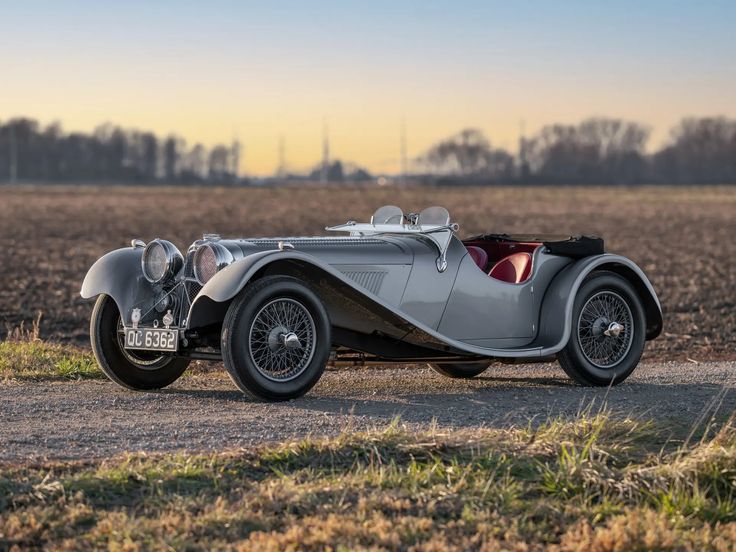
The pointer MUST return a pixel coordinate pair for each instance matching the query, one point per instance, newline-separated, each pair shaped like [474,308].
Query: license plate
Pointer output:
[152,339]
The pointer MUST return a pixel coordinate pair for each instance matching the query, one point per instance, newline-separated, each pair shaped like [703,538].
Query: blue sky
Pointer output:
[209,70]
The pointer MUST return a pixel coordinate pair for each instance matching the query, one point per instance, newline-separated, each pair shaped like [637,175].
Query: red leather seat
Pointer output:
[479,256]
[513,269]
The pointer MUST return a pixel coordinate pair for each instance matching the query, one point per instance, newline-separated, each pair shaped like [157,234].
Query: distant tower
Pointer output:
[325,154]
[13,154]
[236,149]
[402,151]
[281,168]
[523,161]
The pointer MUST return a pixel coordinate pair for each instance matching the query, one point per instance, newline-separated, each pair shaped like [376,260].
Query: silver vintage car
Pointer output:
[400,288]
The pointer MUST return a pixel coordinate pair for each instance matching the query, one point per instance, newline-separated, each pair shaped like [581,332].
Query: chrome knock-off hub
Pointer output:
[614,329]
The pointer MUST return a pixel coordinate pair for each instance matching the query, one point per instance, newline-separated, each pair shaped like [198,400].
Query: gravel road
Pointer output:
[61,420]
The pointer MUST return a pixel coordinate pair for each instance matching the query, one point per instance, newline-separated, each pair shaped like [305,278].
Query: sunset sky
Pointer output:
[212,70]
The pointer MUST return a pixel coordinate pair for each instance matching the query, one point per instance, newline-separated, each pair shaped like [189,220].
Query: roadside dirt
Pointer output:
[205,412]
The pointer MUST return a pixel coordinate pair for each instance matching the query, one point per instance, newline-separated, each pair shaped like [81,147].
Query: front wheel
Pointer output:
[608,331]
[138,370]
[276,338]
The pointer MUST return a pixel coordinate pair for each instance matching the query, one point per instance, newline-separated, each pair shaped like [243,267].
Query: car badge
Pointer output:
[135,317]
[168,319]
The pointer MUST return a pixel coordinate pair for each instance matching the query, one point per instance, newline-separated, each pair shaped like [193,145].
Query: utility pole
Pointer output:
[523,162]
[281,168]
[235,151]
[402,151]
[13,155]
[325,153]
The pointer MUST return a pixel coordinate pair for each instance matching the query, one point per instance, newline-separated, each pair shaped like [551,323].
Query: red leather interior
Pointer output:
[513,269]
[479,256]
[511,260]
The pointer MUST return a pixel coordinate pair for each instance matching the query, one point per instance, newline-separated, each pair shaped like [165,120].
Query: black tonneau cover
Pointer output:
[576,247]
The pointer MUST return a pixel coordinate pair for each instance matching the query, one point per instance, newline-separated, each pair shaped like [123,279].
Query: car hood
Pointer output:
[333,250]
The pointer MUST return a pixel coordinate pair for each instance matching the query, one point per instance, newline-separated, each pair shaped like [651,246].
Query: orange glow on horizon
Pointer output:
[258,72]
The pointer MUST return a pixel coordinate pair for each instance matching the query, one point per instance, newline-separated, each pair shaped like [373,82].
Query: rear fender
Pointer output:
[557,307]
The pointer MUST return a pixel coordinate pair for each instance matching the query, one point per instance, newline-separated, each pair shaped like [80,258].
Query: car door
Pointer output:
[487,312]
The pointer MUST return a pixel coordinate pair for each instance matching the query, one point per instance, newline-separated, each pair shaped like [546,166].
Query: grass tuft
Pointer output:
[36,360]
[589,483]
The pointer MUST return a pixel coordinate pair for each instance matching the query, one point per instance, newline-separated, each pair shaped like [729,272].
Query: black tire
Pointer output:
[460,370]
[129,369]
[271,370]
[591,357]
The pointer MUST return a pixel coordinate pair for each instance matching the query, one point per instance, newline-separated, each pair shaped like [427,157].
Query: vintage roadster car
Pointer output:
[401,288]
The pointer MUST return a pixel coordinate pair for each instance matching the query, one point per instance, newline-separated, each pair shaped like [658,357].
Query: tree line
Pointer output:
[30,152]
[596,151]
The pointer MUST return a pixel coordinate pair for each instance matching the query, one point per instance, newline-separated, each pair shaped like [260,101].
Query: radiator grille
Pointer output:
[191,288]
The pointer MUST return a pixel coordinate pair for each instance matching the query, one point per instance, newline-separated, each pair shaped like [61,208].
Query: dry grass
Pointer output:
[26,359]
[591,483]
[37,361]
[682,237]
[23,356]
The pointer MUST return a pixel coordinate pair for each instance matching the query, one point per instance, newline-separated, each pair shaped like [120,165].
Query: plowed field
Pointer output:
[682,237]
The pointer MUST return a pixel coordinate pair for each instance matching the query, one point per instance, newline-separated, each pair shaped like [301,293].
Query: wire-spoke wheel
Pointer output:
[608,331]
[276,338]
[605,329]
[282,339]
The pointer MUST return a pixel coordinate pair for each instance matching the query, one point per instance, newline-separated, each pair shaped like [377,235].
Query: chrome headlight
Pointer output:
[161,261]
[209,259]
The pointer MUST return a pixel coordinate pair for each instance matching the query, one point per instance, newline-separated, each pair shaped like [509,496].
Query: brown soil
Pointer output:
[682,237]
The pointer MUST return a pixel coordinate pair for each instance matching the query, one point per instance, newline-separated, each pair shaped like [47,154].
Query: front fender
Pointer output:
[207,306]
[556,315]
[119,275]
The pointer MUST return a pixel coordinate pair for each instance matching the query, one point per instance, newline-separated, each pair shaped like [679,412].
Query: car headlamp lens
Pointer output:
[161,261]
[209,259]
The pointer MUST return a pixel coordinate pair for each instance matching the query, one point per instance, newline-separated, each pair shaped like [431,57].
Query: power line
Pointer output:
[523,161]
[402,151]
[281,168]
[236,150]
[13,155]
[325,153]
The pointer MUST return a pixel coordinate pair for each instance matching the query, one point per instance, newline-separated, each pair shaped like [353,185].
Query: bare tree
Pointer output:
[171,154]
[596,151]
[468,154]
[700,151]
[220,164]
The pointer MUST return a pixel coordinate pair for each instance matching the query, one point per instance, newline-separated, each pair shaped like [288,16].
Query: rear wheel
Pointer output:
[139,370]
[608,331]
[460,369]
[276,339]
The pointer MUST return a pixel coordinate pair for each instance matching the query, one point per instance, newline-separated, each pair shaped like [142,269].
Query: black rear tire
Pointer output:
[254,338]
[591,357]
[136,370]
[460,370]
